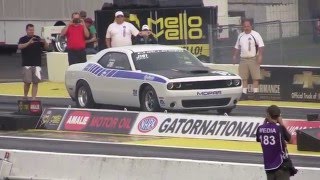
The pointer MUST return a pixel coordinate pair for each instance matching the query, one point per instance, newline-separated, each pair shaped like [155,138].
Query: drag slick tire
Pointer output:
[84,97]
[149,100]
[224,111]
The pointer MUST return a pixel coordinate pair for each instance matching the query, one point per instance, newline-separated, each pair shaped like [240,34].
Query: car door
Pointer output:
[100,83]
[123,87]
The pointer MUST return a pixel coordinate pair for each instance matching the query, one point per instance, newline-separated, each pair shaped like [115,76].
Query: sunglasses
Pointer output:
[119,16]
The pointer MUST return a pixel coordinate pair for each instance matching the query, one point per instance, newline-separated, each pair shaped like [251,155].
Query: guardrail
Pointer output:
[39,165]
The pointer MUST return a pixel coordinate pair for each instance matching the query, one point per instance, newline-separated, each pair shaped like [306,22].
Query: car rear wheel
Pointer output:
[224,111]
[149,100]
[84,97]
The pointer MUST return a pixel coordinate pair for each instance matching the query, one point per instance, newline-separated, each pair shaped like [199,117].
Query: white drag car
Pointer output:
[153,78]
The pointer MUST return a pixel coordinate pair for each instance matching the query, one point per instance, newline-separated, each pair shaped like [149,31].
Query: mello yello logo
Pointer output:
[180,27]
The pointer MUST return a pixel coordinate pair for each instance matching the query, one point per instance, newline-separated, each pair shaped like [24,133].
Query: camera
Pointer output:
[293,171]
[35,38]
[76,21]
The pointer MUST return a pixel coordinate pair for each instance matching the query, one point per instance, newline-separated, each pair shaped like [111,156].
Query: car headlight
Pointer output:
[177,85]
[171,86]
[237,82]
[229,83]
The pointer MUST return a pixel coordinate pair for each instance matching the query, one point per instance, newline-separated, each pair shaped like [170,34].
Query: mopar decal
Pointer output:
[208,93]
[207,127]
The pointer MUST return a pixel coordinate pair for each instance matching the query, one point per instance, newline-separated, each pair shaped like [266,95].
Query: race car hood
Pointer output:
[190,72]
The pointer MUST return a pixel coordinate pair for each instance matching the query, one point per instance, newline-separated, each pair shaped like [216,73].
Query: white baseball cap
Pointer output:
[145,27]
[118,13]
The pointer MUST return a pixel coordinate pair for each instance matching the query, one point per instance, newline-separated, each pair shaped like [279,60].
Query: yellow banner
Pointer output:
[197,49]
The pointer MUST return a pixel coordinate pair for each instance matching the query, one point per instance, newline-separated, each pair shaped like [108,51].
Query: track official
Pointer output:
[250,45]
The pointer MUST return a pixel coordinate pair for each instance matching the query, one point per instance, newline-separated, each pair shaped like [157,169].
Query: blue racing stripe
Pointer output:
[112,73]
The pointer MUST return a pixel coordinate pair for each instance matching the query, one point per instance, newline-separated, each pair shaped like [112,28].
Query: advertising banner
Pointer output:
[99,121]
[289,83]
[51,118]
[197,126]
[30,107]
[185,26]
[294,125]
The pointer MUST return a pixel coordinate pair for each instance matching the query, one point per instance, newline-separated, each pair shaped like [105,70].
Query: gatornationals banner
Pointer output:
[197,126]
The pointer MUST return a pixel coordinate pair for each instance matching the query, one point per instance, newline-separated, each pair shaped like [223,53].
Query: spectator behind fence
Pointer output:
[273,135]
[119,32]
[146,36]
[250,45]
[31,47]
[76,33]
[92,39]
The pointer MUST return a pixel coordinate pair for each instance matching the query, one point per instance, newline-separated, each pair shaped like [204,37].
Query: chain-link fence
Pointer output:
[286,43]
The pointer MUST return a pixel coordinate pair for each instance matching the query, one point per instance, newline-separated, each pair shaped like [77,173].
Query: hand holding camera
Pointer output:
[280,121]
[76,21]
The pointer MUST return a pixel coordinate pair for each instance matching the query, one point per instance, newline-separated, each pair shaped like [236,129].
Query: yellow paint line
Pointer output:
[45,89]
[244,146]
[306,105]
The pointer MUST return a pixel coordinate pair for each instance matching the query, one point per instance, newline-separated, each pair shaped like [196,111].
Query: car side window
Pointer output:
[104,60]
[115,60]
[121,61]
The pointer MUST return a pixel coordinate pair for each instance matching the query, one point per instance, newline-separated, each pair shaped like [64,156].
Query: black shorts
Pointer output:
[76,56]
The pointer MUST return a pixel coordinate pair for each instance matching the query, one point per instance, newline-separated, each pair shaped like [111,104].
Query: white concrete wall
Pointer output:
[98,167]
[57,64]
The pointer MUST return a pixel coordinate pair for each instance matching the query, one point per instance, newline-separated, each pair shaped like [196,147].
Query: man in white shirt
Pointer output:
[250,45]
[119,32]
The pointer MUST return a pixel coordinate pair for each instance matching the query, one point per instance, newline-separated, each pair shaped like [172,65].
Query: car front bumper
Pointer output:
[200,99]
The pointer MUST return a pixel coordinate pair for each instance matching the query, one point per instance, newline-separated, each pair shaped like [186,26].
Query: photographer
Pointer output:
[273,135]
[76,33]
[31,47]
[145,37]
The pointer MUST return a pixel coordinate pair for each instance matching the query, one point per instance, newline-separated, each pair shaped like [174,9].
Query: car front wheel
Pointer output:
[149,100]
[84,97]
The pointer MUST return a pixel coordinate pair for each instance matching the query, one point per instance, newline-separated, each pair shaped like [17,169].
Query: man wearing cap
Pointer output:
[273,135]
[145,37]
[92,28]
[119,32]
[92,39]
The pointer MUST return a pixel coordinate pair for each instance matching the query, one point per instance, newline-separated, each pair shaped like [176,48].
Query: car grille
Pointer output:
[205,102]
[205,85]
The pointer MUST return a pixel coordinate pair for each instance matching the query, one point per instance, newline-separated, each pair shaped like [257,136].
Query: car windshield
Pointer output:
[164,59]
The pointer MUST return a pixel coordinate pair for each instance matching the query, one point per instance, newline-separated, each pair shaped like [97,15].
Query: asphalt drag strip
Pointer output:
[145,146]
